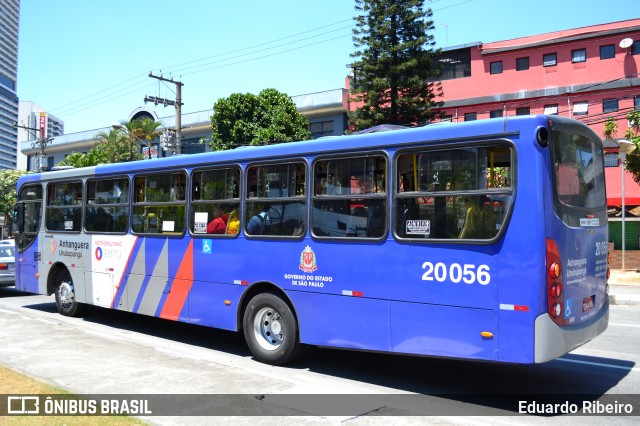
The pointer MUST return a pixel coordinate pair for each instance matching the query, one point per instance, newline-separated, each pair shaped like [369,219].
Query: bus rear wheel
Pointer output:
[66,302]
[271,329]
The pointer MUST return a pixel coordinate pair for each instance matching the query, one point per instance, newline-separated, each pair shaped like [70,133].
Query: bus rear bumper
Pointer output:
[552,340]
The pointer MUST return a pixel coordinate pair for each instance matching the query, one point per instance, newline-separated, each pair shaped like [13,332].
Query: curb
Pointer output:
[624,299]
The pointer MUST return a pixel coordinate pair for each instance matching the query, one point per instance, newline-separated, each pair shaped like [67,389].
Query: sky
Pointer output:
[88,62]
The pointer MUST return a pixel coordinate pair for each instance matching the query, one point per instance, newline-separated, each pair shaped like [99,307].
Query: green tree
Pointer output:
[8,181]
[632,162]
[76,159]
[146,130]
[395,62]
[114,146]
[247,119]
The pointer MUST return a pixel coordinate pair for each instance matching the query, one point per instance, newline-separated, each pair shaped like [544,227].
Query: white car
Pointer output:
[7,263]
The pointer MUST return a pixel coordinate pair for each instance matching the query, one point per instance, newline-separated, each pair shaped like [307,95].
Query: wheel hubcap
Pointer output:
[268,329]
[66,294]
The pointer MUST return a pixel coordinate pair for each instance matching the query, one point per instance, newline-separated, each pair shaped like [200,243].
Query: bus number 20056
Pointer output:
[455,273]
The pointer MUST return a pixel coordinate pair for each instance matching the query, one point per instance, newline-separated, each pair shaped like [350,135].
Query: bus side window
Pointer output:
[275,203]
[457,193]
[160,205]
[354,203]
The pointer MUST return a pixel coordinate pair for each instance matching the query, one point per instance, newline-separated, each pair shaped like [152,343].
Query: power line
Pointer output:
[262,44]
[71,107]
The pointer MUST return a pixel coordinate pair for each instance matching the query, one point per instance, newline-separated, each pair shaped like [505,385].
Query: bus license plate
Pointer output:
[588,303]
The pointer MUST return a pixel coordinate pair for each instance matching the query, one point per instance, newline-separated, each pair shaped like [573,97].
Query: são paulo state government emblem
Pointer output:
[308,260]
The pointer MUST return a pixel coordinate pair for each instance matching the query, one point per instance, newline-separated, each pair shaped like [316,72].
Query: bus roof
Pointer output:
[480,129]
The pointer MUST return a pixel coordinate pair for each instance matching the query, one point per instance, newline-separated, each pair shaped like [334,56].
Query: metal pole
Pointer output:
[178,118]
[622,158]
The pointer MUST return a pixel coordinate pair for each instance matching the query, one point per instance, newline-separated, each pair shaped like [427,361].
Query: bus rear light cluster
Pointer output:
[555,301]
[556,310]
[555,291]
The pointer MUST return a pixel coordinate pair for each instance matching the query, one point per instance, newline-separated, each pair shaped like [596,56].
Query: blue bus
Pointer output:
[483,240]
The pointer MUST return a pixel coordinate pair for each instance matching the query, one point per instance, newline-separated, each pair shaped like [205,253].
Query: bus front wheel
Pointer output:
[271,329]
[66,302]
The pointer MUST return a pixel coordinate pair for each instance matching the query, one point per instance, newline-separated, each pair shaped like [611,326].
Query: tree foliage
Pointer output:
[632,134]
[115,146]
[146,131]
[8,181]
[248,119]
[395,63]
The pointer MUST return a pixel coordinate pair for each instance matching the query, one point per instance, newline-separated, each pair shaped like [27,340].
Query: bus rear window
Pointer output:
[579,171]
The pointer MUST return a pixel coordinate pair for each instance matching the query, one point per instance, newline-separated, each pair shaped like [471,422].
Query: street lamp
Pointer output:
[624,147]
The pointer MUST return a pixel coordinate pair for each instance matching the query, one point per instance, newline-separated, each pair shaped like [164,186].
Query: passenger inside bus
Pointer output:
[219,223]
[256,225]
[480,221]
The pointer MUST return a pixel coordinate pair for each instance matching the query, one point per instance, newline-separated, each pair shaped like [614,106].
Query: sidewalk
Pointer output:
[624,287]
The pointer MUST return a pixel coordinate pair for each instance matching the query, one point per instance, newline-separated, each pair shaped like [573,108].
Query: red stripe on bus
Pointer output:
[180,287]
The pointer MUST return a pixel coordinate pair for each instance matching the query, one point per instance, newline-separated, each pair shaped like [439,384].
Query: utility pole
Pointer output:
[40,143]
[178,104]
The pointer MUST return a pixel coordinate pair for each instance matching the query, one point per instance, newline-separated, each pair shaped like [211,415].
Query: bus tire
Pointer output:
[271,329]
[66,302]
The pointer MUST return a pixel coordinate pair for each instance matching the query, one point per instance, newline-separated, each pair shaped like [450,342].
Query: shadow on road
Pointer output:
[484,384]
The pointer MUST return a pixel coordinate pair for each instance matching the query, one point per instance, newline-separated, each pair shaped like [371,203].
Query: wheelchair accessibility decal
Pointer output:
[207,246]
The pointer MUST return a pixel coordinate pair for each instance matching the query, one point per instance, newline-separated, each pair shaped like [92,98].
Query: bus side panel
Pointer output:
[206,304]
[342,321]
[521,295]
[443,331]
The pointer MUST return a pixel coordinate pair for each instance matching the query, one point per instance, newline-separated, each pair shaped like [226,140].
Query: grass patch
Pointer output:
[14,383]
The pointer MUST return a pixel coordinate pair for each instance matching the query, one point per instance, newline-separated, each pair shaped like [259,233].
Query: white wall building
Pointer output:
[326,112]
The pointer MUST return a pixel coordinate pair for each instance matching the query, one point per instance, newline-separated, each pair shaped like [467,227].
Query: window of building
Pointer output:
[581,108]
[495,113]
[350,197]
[608,51]
[459,193]
[192,146]
[64,207]
[496,67]
[522,64]
[470,116]
[611,160]
[523,111]
[551,109]
[446,118]
[550,59]
[276,200]
[159,205]
[455,64]
[107,208]
[636,103]
[579,55]
[635,48]
[215,202]
[320,129]
[609,105]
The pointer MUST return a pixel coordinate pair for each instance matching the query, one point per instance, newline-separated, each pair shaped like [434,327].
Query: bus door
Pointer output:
[27,218]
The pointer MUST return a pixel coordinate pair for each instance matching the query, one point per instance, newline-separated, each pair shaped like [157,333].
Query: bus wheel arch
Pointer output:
[60,283]
[270,324]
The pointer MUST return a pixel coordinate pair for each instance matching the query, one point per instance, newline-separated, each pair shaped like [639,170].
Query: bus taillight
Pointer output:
[554,283]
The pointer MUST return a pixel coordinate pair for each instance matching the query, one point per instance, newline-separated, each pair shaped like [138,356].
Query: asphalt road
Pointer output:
[111,352]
